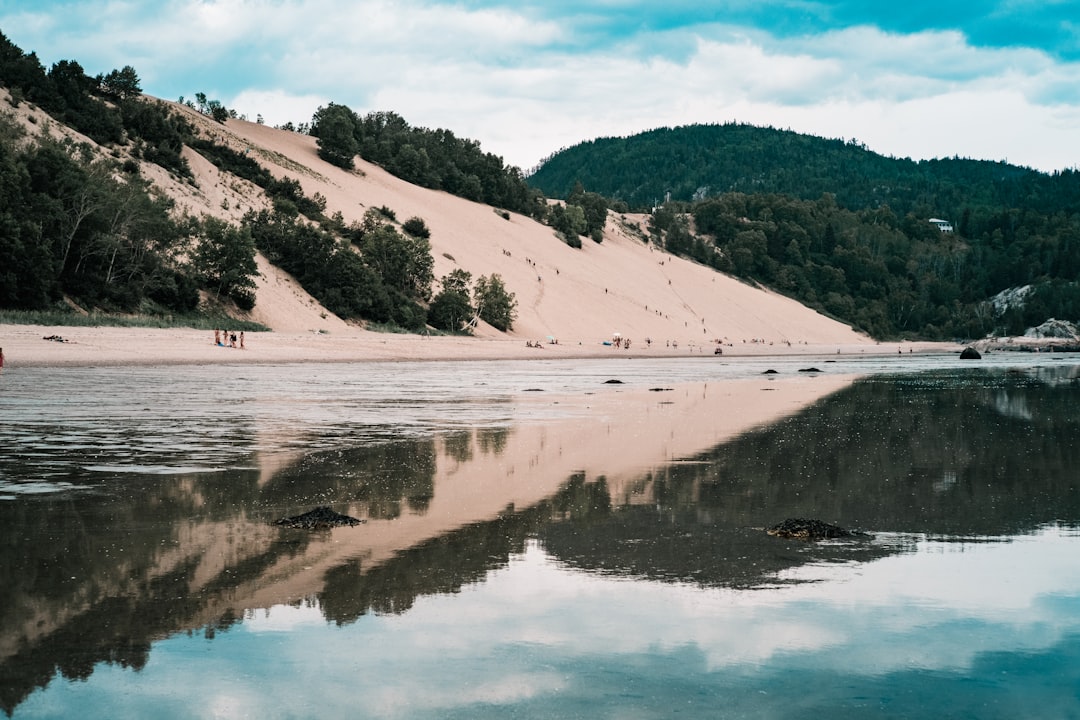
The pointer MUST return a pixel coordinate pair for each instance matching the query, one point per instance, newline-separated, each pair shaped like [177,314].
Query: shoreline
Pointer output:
[27,346]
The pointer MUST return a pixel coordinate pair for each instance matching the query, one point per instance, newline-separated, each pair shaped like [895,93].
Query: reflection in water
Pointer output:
[639,593]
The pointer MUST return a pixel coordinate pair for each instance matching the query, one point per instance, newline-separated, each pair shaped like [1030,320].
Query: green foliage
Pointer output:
[495,305]
[228,160]
[416,227]
[887,276]
[120,84]
[74,225]
[403,262]
[840,228]
[69,95]
[694,162]
[214,108]
[569,221]
[431,158]
[594,211]
[450,309]
[225,258]
[65,316]
[382,283]
[159,135]
[335,128]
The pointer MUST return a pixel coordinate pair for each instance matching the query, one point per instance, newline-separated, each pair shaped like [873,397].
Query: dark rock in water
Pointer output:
[659,389]
[970,353]
[803,529]
[770,371]
[613,382]
[809,369]
[318,519]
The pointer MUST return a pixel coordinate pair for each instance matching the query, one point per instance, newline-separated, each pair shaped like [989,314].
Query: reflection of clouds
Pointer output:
[538,633]
[404,700]
[935,608]
[284,618]
[1012,406]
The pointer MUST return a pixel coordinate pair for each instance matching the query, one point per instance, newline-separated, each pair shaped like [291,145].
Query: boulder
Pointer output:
[970,353]
[320,518]
[804,529]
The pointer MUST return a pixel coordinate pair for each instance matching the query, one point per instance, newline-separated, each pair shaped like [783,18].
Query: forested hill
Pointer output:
[846,230]
[696,161]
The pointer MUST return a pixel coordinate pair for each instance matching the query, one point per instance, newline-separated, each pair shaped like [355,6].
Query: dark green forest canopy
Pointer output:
[696,161]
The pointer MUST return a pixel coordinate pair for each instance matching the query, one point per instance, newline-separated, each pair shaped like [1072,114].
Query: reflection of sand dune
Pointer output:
[220,568]
[619,435]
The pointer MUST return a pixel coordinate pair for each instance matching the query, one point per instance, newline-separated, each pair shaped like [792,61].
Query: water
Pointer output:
[511,566]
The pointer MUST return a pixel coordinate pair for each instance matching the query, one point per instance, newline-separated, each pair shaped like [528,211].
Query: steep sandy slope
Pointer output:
[622,285]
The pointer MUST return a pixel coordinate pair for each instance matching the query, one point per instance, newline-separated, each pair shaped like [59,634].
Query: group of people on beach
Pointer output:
[224,338]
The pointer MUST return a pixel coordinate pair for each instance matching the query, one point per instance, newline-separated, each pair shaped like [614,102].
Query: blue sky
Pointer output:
[988,79]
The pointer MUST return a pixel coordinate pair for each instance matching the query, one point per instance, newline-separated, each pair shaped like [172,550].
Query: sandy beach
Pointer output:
[26,346]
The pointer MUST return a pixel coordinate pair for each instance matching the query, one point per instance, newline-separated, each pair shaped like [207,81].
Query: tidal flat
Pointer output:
[542,539]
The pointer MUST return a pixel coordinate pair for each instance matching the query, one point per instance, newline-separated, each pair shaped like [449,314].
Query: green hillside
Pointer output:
[695,161]
[844,229]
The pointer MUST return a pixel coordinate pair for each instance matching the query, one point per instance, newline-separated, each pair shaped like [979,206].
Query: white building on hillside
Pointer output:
[943,225]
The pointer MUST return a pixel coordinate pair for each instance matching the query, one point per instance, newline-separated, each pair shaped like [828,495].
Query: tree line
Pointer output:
[888,276]
[434,159]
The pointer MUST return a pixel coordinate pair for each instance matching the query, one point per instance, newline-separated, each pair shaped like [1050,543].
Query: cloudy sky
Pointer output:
[988,79]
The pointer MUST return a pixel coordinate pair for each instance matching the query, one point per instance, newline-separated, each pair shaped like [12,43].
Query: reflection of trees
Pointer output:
[459,445]
[440,565]
[925,453]
[492,441]
[380,478]
[93,571]
[675,539]
[920,454]
[445,564]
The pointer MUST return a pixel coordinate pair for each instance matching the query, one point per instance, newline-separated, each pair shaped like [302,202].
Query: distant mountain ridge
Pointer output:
[695,161]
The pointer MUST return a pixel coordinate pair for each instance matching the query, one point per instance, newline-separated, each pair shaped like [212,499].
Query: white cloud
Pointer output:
[275,106]
[508,79]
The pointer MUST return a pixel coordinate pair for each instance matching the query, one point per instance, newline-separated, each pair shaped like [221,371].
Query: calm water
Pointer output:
[140,575]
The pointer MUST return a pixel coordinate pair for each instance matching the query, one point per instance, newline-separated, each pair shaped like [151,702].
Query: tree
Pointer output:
[451,309]
[594,209]
[494,304]
[335,129]
[225,258]
[120,84]
[404,263]
[569,222]
[213,108]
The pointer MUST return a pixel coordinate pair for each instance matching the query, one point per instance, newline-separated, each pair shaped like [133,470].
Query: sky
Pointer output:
[984,79]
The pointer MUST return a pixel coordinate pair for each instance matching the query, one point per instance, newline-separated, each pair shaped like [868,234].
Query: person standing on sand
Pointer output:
[241,339]
[217,336]
[1,358]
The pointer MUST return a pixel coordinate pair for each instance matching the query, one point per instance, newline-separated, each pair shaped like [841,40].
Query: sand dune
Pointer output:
[580,297]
